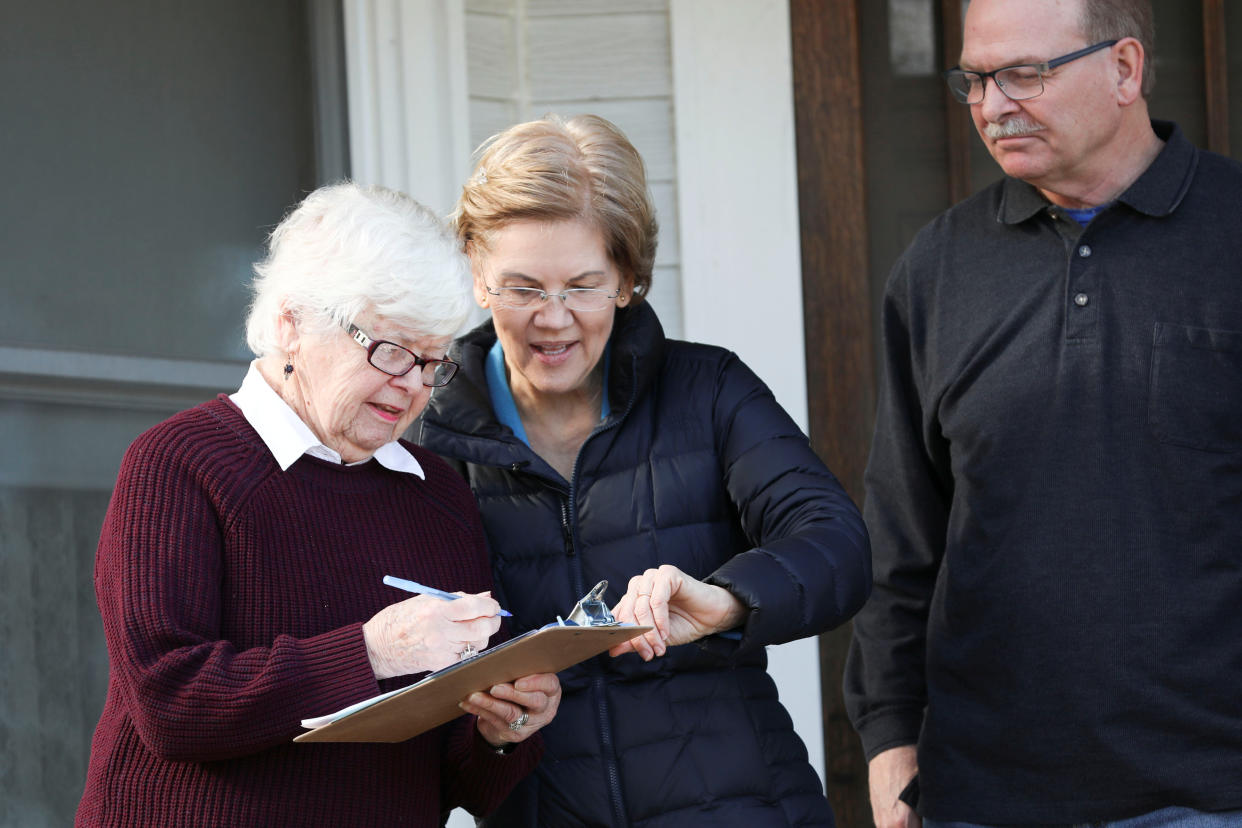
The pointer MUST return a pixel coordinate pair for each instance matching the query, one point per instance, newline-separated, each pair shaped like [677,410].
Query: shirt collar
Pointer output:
[1157,192]
[1165,183]
[502,396]
[288,438]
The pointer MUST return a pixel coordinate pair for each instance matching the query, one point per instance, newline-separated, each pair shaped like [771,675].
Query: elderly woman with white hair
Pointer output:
[240,565]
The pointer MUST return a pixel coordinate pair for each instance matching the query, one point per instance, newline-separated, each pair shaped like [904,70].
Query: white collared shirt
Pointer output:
[288,438]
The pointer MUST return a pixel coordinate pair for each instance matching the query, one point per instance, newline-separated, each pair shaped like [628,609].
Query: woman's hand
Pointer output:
[509,713]
[425,633]
[681,608]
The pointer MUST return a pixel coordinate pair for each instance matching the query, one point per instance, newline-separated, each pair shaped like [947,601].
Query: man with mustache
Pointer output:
[1055,487]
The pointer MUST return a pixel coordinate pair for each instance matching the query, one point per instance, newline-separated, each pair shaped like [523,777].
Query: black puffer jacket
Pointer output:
[699,467]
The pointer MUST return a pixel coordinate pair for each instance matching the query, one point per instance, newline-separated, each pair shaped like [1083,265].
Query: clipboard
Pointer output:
[405,713]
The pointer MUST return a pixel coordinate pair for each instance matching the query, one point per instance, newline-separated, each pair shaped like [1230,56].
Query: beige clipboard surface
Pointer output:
[433,701]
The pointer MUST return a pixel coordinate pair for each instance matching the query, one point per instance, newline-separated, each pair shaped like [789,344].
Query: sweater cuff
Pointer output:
[338,671]
[889,730]
[482,751]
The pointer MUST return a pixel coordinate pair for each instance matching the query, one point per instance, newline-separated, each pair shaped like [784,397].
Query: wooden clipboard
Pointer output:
[433,701]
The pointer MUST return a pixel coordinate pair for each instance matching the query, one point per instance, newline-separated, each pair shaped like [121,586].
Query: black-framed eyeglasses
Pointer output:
[393,359]
[576,299]
[1018,83]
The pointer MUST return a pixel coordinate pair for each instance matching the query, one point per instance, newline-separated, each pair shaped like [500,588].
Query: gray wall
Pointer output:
[148,148]
[53,667]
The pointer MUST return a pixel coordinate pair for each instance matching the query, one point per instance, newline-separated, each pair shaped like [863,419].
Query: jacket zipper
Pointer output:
[566,535]
[608,750]
[598,682]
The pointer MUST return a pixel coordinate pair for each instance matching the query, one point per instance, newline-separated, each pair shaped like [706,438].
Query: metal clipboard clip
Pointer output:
[591,611]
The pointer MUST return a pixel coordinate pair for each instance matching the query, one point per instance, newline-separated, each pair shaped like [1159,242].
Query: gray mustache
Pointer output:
[1011,128]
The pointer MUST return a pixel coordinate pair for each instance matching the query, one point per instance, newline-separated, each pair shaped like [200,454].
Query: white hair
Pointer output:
[347,250]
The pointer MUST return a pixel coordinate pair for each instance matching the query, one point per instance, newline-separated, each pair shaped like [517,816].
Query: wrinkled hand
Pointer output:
[682,609]
[425,633]
[537,695]
[887,776]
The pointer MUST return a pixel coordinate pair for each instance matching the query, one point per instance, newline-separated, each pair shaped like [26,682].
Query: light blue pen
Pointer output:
[413,586]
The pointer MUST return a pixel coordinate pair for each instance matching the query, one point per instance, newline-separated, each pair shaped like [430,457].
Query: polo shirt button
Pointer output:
[1081,300]
[1084,251]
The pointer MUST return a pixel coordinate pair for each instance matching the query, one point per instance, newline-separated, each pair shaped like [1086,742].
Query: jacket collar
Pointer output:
[1157,192]
[638,352]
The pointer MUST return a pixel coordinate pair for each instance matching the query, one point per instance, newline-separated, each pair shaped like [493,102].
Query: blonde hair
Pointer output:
[581,168]
[348,249]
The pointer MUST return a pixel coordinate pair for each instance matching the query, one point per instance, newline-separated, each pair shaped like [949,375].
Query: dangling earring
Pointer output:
[288,367]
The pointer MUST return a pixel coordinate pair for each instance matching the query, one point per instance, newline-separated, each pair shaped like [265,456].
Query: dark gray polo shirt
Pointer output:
[1055,503]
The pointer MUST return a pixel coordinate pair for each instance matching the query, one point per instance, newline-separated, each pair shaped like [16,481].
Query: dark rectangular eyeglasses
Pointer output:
[393,359]
[1018,83]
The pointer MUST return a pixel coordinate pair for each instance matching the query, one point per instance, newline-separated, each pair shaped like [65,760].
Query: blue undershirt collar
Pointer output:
[1084,215]
[502,396]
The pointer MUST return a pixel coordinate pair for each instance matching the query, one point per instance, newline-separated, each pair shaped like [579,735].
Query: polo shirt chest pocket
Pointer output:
[1196,387]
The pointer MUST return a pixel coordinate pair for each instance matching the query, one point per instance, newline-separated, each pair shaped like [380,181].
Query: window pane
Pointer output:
[151,147]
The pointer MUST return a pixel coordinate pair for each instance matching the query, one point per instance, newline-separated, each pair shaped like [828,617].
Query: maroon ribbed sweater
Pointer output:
[233,596]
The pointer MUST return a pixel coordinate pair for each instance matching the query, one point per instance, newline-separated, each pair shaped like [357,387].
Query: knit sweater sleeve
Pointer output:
[191,694]
[809,569]
[909,490]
